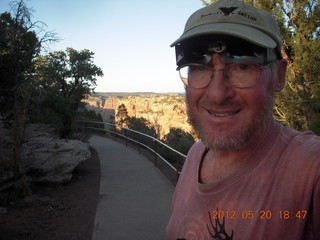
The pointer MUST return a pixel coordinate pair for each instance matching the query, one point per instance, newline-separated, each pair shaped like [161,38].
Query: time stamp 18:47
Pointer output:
[263,214]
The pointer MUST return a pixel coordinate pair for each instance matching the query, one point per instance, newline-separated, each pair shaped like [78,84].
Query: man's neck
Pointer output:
[218,165]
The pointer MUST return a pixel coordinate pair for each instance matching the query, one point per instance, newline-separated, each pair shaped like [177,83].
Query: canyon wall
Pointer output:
[163,112]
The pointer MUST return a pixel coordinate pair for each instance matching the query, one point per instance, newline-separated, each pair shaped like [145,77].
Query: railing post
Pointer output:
[155,153]
[177,168]
[114,135]
[126,136]
[139,145]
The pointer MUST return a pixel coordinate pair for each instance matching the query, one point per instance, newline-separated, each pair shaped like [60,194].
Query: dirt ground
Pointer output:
[65,212]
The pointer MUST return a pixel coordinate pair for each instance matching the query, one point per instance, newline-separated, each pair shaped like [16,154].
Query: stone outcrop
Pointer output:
[53,160]
[45,158]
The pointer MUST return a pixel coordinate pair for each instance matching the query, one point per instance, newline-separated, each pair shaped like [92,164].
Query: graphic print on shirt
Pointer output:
[218,231]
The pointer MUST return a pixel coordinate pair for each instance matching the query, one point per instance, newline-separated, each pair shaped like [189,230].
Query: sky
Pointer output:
[130,38]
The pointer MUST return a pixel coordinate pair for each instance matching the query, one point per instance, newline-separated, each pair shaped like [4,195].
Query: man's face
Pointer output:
[226,118]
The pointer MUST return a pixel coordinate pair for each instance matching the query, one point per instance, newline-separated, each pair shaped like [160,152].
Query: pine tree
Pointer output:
[122,114]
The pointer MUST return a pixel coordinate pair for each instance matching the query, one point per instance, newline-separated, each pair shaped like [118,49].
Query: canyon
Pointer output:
[163,111]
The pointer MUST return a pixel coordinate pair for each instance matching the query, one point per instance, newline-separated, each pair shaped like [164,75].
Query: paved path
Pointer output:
[135,197]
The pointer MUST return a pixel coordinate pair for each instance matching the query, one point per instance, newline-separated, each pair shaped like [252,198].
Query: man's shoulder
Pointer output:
[306,139]
[195,153]
[303,145]
[197,147]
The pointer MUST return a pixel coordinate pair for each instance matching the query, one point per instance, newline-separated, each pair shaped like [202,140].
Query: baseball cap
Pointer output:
[234,18]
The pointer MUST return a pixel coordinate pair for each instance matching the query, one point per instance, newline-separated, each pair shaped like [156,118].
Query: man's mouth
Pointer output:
[226,114]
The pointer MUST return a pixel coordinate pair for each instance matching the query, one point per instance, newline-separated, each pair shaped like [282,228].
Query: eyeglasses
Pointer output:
[240,75]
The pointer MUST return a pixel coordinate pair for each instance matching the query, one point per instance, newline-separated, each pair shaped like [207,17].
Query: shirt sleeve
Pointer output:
[316,207]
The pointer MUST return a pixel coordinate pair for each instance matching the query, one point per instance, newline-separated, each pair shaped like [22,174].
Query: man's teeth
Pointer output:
[223,114]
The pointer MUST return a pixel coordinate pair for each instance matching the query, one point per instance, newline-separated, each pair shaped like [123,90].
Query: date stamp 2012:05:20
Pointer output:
[263,214]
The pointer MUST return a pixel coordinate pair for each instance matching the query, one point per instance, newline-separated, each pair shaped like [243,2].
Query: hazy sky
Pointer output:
[130,38]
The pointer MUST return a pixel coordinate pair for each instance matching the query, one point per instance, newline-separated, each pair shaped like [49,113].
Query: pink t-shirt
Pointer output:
[276,196]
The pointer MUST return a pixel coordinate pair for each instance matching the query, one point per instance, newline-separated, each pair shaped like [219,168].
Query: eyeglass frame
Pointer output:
[261,66]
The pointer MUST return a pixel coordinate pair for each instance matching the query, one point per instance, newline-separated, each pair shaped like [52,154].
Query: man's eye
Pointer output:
[197,68]
[243,67]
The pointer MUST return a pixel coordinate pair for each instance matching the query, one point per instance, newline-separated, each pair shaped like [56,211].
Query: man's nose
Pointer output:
[218,90]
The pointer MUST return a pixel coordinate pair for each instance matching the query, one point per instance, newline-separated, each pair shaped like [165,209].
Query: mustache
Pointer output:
[228,104]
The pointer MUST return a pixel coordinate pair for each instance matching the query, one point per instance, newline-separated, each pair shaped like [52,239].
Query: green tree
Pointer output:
[298,105]
[91,115]
[21,41]
[179,140]
[66,78]
[140,125]
[122,114]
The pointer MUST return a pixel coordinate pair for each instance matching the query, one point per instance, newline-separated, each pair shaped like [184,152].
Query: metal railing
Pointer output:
[170,157]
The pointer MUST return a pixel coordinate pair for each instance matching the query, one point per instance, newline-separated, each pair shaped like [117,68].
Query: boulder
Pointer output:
[53,160]
[45,158]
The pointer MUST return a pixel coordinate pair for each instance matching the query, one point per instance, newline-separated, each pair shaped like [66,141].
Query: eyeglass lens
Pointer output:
[240,75]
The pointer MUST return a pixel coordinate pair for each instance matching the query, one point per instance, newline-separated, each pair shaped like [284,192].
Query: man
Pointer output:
[249,177]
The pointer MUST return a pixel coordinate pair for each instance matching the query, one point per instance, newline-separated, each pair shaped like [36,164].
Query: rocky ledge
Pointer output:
[45,157]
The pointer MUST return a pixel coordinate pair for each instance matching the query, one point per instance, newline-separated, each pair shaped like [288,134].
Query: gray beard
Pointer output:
[241,138]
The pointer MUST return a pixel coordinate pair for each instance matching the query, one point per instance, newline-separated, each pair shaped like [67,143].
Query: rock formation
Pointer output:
[53,160]
[45,157]
[163,112]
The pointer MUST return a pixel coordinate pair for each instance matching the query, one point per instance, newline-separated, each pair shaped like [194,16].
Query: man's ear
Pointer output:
[281,77]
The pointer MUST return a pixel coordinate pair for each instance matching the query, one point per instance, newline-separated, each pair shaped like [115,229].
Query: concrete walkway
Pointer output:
[135,197]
